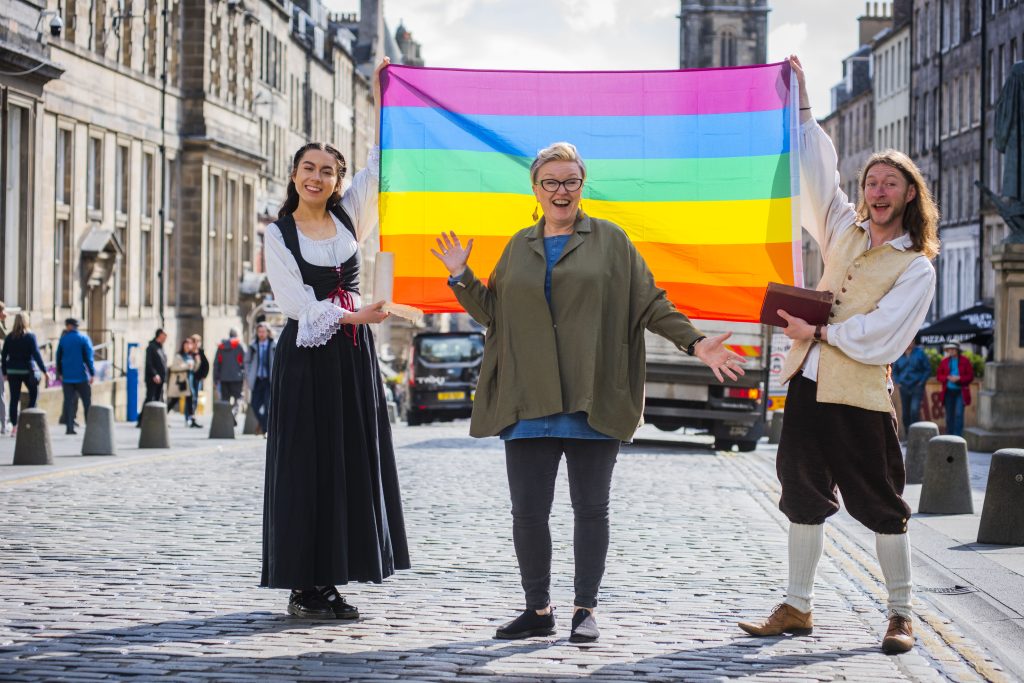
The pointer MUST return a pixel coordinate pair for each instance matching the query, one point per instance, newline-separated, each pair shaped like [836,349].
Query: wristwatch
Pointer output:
[693,345]
[817,333]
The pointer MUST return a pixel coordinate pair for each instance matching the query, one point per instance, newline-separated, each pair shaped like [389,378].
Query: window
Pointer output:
[230,272]
[16,243]
[94,175]
[121,283]
[122,183]
[64,263]
[170,264]
[147,185]
[63,239]
[146,259]
[65,165]
[215,263]
[961,120]
[246,226]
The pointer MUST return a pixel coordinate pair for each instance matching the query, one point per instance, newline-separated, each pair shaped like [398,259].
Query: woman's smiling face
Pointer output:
[316,176]
[559,205]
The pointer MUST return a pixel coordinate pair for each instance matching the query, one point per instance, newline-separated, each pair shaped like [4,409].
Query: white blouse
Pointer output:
[320,320]
[881,336]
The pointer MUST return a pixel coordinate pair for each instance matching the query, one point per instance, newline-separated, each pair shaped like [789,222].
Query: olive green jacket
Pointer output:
[584,353]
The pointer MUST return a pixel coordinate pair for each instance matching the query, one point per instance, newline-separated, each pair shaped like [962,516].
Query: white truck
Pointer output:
[683,392]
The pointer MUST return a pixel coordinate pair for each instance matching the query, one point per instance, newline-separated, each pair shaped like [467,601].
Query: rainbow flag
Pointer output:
[698,167]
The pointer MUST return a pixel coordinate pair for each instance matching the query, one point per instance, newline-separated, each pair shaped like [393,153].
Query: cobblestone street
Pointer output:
[149,568]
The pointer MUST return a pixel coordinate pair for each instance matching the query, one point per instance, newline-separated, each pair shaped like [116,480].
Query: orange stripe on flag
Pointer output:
[695,300]
[703,264]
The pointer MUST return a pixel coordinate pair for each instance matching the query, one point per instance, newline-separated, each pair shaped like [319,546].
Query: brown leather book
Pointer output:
[808,304]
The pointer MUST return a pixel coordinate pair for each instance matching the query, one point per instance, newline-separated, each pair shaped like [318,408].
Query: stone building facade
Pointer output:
[962,52]
[722,33]
[146,147]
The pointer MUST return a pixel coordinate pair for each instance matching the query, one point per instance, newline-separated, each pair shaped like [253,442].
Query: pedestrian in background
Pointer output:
[76,371]
[19,352]
[181,381]
[202,369]
[3,388]
[910,373]
[955,374]
[229,369]
[332,507]
[258,364]
[840,428]
[155,370]
[571,382]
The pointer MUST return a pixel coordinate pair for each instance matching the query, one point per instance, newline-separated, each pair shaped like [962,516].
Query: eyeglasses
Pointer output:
[570,184]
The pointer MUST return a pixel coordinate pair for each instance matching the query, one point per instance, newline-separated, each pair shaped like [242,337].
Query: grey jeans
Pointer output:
[532,466]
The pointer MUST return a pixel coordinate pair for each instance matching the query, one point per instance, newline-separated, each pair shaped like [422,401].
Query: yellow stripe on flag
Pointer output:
[754,221]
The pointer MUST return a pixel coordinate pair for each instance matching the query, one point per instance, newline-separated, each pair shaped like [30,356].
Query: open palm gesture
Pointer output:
[451,252]
[721,360]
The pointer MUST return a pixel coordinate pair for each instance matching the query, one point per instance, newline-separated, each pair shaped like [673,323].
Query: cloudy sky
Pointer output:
[610,34]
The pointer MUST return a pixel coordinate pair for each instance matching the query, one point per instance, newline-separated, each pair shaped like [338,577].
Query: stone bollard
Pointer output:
[99,431]
[252,423]
[32,446]
[1002,516]
[154,426]
[222,426]
[775,428]
[947,482]
[918,436]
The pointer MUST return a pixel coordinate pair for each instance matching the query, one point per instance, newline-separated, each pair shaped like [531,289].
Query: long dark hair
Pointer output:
[291,201]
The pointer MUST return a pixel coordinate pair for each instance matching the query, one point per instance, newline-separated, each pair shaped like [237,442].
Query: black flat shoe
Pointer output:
[528,625]
[584,627]
[341,609]
[309,604]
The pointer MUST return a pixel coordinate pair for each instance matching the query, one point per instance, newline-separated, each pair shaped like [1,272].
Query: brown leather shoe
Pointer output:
[784,619]
[899,637]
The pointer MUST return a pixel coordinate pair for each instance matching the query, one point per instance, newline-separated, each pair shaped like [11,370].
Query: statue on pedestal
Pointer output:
[1009,139]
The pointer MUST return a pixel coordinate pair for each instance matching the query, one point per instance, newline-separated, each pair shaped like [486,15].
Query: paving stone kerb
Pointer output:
[222,426]
[252,423]
[1002,517]
[33,444]
[918,436]
[99,431]
[154,426]
[947,481]
[775,428]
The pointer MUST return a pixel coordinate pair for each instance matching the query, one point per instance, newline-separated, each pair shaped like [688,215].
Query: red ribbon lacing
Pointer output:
[345,300]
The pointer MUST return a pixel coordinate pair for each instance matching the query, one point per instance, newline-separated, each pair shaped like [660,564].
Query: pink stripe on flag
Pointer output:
[570,93]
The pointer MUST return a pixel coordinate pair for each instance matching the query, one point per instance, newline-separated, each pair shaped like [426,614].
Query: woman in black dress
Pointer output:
[332,510]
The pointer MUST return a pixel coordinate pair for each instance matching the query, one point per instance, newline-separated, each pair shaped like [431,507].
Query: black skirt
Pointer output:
[332,510]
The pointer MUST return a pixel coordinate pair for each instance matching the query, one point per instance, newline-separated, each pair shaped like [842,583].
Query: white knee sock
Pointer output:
[805,545]
[894,559]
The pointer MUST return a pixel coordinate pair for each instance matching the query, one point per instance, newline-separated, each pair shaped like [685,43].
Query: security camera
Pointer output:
[56,26]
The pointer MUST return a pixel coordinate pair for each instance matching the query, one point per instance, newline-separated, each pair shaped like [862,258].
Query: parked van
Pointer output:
[443,370]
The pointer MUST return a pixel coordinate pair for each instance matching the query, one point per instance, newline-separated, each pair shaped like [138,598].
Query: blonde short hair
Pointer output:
[558,151]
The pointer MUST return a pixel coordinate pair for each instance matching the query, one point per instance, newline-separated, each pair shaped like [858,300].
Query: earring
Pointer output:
[536,216]
[579,212]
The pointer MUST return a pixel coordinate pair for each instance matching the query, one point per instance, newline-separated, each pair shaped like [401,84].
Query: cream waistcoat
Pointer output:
[859,279]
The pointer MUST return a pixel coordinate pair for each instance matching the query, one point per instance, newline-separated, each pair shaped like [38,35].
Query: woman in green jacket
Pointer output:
[563,372]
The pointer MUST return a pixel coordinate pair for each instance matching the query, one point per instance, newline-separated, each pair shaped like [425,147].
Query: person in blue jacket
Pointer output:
[19,352]
[75,370]
[910,372]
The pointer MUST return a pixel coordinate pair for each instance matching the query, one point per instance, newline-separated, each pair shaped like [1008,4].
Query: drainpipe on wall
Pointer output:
[162,274]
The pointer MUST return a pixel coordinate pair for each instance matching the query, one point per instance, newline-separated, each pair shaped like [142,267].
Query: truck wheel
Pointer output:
[724,444]
[746,446]
[411,418]
[666,426]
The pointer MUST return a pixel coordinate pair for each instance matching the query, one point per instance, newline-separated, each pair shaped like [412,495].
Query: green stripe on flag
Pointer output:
[627,180]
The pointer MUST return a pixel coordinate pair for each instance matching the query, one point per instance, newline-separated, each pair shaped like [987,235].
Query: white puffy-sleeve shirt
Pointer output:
[882,335]
[319,320]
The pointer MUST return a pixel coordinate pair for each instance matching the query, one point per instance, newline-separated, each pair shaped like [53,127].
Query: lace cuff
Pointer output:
[318,323]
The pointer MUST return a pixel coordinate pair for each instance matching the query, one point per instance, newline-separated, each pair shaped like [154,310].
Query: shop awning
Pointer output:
[972,325]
